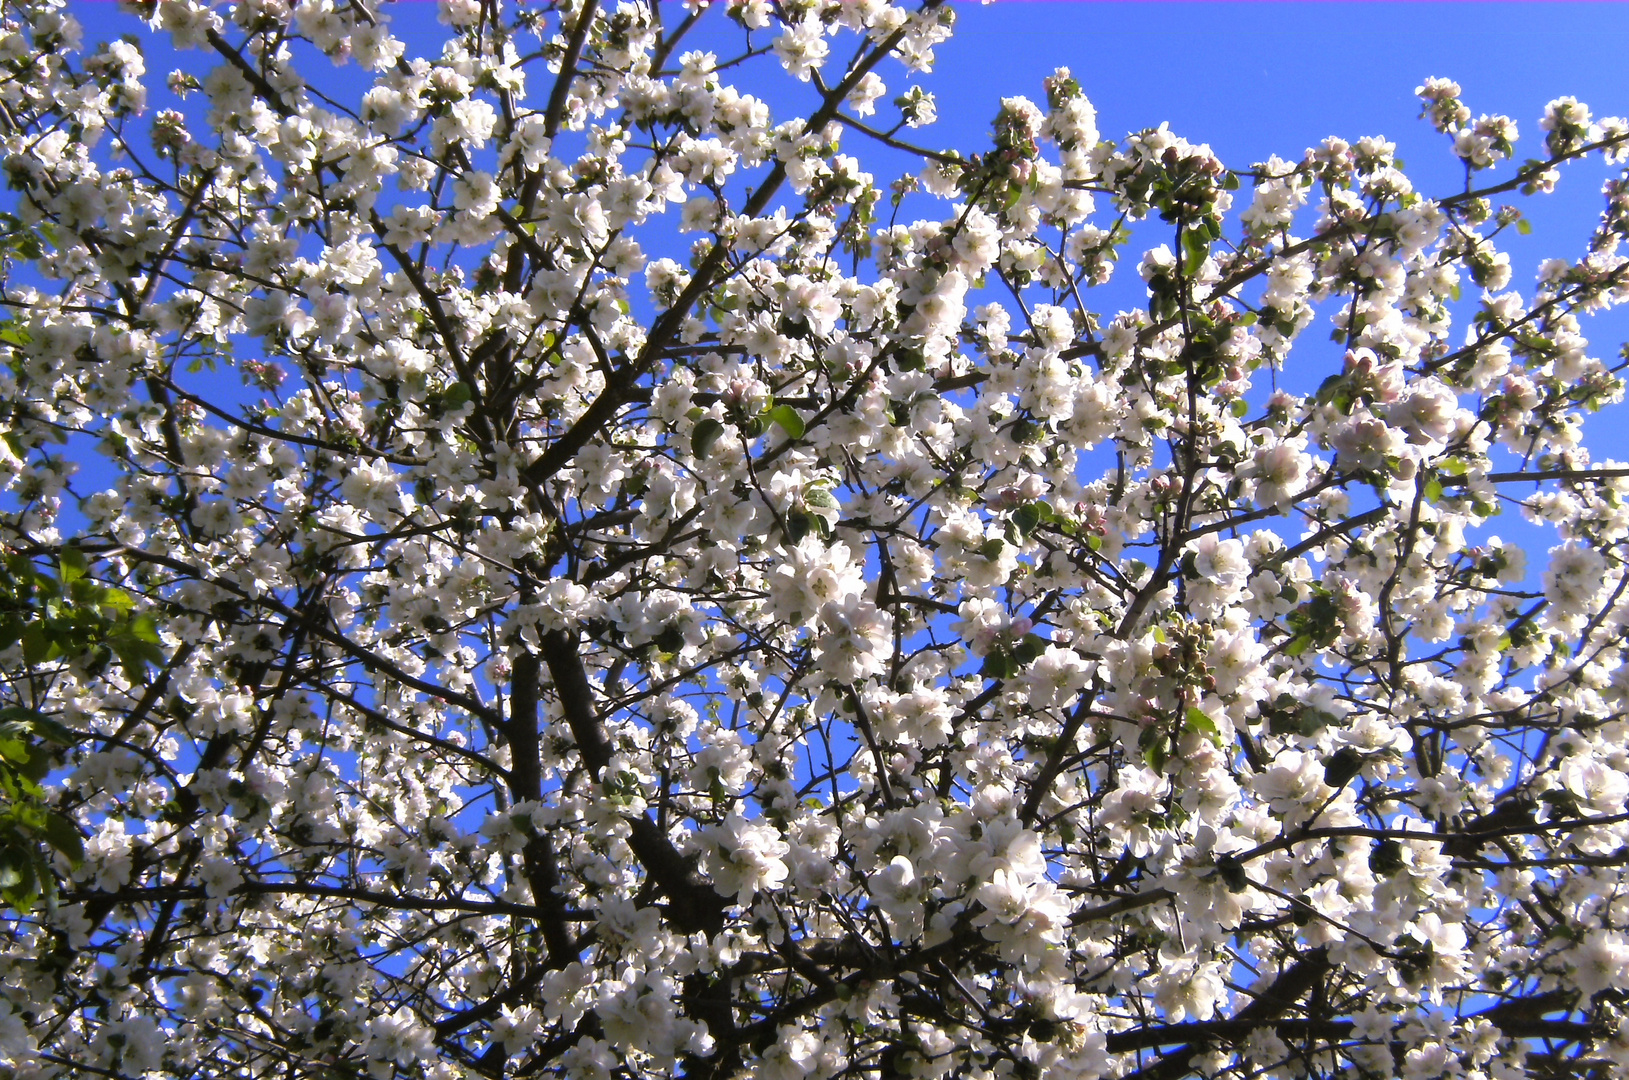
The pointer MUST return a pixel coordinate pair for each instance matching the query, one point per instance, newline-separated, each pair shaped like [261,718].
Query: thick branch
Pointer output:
[693,904]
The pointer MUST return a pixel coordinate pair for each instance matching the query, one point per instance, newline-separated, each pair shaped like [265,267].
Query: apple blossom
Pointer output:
[517,562]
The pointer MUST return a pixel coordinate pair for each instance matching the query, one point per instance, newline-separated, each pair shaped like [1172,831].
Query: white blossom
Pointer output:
[583,541]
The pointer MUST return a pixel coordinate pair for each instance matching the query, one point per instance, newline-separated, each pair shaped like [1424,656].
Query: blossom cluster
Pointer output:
[633,593]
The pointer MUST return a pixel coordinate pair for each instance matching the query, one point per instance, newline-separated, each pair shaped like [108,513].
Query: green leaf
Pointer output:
[135,654]
[1342,766]
[456,396]
[30,772]
[1000,664]
[787,419]
[821,497]
[142,628]
[37,644]
[1433,490]
[1231,871]
[1029,648]
[910,359]
[117,600]
[73,564]
[706,433]
[1195,249]
[1328,388]
[1156,747]
[1157,755]
[1386,858]
[1027,517]
[1200,721]
[19,879]
[1524,226]
[48,729]
[670,641]
[63,836]
[14,750]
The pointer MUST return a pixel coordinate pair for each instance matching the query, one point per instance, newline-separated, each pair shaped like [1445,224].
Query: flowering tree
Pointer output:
[521,562]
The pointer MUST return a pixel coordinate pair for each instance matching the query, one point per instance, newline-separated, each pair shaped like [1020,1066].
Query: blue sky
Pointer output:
[1251,79]
[1254,79]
